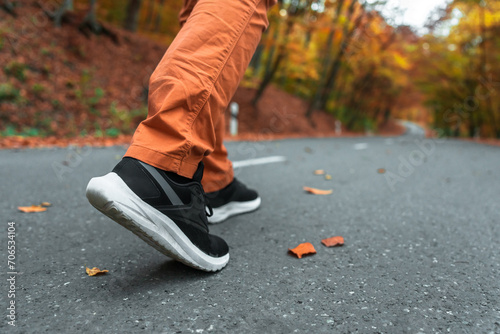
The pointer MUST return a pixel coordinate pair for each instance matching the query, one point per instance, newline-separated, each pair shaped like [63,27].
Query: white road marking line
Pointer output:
[360,146]
[258,161]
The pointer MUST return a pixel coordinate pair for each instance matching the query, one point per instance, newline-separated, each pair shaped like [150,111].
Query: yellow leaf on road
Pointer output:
[95,271]
[33,208]
[333,241]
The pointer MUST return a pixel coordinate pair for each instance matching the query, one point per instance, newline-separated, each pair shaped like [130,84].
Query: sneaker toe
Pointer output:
[218,246]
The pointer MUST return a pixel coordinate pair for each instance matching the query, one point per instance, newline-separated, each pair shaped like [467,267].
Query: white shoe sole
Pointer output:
[233,208]
[110,195]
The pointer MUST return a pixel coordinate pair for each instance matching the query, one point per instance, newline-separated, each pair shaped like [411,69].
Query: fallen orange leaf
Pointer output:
[381,170]
[319,172]
[333,241]
[315,191]
[95,271]
[45,204]
[33,208]
[328,177]
[303,249]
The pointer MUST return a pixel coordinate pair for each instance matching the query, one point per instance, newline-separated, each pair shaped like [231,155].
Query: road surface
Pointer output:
[421,253]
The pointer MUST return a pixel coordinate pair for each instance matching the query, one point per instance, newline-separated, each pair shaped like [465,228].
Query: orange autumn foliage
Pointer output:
[305,248]
[333,241]
[32,208]
[315,191]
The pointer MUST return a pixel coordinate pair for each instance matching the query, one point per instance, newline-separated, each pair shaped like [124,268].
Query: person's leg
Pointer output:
[155,191]
[226,195]
[218,168]
[218,171]
[194,82]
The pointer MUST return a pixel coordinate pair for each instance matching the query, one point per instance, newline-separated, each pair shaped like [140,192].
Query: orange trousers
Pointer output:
[192,86]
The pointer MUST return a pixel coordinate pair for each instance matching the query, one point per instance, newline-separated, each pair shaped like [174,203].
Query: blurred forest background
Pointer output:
[81,67]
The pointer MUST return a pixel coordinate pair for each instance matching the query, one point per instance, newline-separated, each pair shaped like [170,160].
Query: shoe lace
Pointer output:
[210,211]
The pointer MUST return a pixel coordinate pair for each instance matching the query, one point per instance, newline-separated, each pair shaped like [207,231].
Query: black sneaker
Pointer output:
[233,200]
[162,208]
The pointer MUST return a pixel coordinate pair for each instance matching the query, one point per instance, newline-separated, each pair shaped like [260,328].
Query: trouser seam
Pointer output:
[205,98]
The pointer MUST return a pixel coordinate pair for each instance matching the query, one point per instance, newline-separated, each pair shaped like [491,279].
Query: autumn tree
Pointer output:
[341,55]
[90,21]
[153,15]
[461,71]
[355,15]
[292,11]
[57,16]
[132,18]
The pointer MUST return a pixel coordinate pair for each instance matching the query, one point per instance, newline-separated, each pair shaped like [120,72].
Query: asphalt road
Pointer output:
[421,253]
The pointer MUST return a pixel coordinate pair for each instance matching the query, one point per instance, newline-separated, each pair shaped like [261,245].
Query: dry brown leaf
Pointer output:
[381,170]
[328,177]
[333,241]
[45,204]
[319,172]
[315,191]
[303,249]
[95,271]
[33,208]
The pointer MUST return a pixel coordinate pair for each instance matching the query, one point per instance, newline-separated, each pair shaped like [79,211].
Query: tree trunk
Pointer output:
[91,19]
[293,11]
[59,14]
[8,6]
[387,115]
[267,78]
[90,25]
[484,64]
[331,76]
[256,58]
[159,17]
[361,87]
[132,18]
[282,53]
[270,56]
[150,10]
[335,68]
[326,59]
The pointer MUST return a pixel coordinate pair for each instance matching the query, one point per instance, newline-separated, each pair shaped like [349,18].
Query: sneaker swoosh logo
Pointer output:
[174,199]
[184,218]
